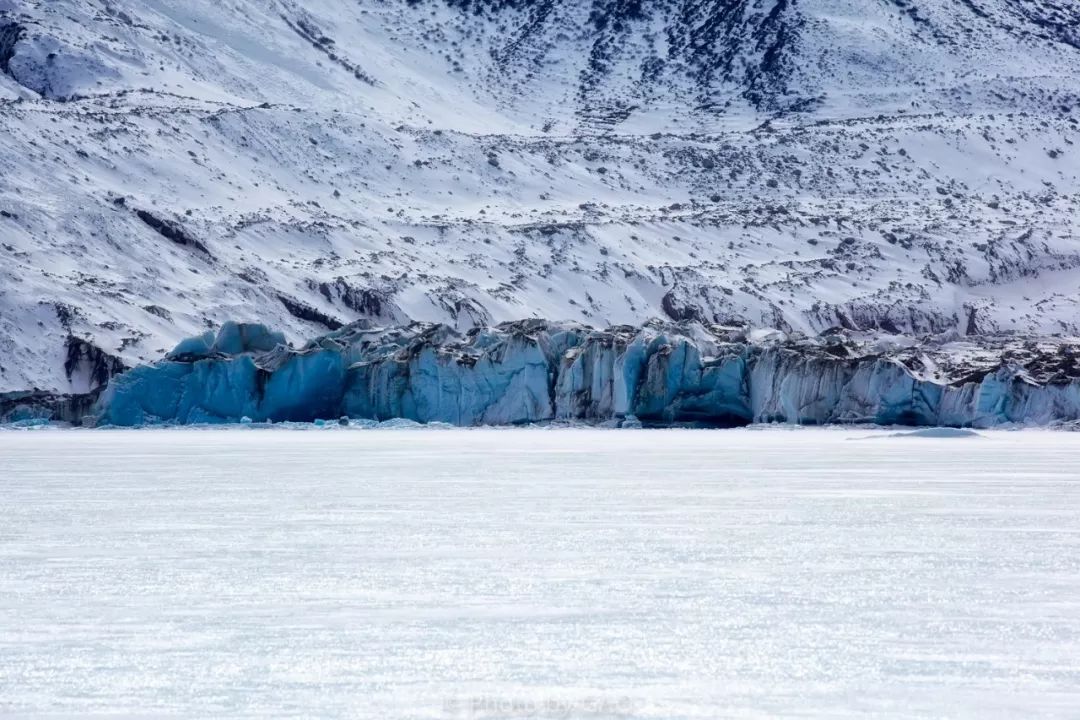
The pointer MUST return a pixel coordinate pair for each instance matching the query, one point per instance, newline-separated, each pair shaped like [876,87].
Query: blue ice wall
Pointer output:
[534,371]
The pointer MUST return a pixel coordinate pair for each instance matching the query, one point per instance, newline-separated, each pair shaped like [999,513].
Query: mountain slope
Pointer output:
[891,167]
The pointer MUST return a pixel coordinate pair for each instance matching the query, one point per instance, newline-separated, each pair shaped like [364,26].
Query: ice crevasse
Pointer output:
[535,371]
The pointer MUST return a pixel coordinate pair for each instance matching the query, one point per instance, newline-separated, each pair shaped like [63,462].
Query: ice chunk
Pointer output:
[237,338]
[938,433]
[193,347]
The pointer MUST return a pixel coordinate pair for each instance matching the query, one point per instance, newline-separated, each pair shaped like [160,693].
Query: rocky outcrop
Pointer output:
[531,371]
[88,367]
[34,407]
[171,231]
[10,33]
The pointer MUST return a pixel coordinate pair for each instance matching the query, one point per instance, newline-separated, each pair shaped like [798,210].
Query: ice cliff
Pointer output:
[535,371]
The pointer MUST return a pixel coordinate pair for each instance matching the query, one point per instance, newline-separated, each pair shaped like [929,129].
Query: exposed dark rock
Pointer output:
[89,365]
[304,28]
[714,41]
[306,312]
[158,311]
[10,34]
[65,314]
[53,407]
[678,312]
[366,302]
[172,231]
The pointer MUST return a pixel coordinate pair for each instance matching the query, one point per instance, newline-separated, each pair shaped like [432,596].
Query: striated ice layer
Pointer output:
[537,371]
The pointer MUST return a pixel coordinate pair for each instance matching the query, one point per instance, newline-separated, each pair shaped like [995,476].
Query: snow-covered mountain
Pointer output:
[893,166]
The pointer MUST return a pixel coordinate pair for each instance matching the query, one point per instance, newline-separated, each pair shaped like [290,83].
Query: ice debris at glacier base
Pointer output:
[535,371]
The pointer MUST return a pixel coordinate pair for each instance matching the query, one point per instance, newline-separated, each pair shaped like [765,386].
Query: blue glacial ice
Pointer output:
[535,371]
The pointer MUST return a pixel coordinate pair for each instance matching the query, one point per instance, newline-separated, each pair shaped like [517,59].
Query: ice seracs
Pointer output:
[533,371]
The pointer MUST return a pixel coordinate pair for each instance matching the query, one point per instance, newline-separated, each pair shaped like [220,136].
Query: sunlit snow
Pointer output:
[563,573]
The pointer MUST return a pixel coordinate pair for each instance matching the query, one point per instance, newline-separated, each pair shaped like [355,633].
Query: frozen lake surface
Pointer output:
[538,573]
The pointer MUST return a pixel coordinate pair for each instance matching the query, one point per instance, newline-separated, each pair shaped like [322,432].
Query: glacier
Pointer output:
[536,371]
[169,165]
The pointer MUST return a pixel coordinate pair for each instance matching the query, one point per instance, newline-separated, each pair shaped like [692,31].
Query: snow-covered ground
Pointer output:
[493,573]
[896,166]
